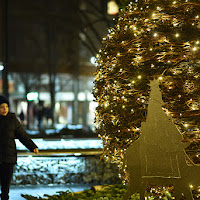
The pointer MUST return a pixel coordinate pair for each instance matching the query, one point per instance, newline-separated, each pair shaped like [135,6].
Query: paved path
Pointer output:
[39,191]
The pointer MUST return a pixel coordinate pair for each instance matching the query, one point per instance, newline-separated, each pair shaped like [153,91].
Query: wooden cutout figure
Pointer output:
[158,156]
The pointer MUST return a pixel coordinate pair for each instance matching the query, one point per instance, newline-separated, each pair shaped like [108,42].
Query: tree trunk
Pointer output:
[52,92]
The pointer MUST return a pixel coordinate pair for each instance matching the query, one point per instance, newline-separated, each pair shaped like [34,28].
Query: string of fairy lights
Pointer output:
[151,39]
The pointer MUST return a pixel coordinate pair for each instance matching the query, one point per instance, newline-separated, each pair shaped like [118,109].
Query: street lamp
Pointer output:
[32,96]
[112,7]
[93,60]
[1,67]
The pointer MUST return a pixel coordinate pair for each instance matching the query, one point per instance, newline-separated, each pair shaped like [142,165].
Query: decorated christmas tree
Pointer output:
[152,39]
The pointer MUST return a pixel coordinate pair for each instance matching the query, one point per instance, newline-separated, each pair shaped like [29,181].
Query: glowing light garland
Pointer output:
[151,39]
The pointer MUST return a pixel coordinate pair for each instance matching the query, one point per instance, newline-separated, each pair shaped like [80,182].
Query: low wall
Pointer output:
[64,170]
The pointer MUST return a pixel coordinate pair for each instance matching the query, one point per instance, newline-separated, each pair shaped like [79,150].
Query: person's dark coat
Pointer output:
[11,129]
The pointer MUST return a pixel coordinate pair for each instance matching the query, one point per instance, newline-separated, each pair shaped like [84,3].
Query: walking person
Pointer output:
[10,129]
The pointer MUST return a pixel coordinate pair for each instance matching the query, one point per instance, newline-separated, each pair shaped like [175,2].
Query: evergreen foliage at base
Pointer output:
[113,192]
[110,192]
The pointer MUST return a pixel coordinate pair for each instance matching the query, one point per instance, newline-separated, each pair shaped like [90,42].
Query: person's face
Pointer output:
[4,109]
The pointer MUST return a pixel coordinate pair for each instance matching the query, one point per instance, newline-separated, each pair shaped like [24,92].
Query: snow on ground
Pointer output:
[40,190]
[45,144]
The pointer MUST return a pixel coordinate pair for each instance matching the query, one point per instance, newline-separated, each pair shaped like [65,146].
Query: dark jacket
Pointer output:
[11,129]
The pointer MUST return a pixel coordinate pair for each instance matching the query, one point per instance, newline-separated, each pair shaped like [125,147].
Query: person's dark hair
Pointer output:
[3,99]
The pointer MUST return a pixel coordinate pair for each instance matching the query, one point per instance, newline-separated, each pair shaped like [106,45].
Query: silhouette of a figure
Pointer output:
[22,117]
[40,113]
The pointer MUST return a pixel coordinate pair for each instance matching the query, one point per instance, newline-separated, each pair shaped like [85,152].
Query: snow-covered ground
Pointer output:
[40,190]
[47,144]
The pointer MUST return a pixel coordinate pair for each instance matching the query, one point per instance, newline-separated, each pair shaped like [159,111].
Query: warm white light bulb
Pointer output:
[106,104]
[177,35]
[194,48]
[158,8]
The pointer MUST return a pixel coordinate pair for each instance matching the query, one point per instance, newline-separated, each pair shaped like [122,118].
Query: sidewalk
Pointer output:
[40,190]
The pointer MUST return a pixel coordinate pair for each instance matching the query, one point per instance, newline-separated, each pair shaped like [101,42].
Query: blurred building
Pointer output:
[46,48]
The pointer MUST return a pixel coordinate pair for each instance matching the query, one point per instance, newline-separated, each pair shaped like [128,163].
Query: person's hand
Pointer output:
[36,151]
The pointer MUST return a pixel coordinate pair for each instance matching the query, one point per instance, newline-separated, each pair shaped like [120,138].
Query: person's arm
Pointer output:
[24,138]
